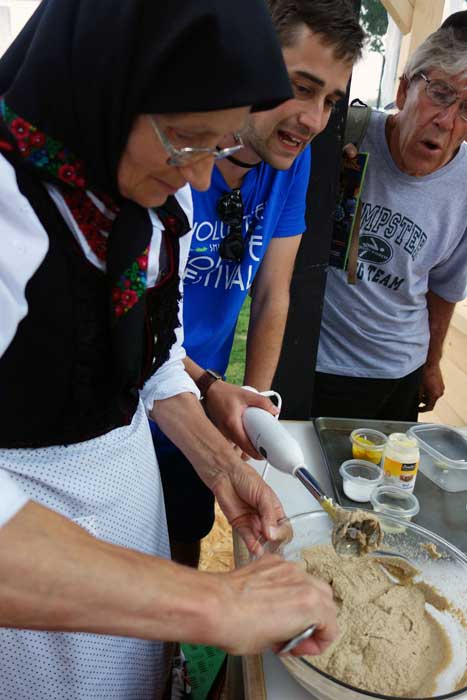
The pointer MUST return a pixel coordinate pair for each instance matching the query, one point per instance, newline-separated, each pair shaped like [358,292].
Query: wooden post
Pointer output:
[427,17]
[402,13]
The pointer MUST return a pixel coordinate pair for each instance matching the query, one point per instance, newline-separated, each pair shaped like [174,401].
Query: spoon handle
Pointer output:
[312,485]
[292,643]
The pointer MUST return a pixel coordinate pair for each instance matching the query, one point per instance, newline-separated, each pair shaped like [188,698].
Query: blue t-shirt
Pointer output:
[215,289]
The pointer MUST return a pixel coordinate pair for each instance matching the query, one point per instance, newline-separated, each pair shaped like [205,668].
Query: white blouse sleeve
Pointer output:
[23,245]
[172,379]
[12,499]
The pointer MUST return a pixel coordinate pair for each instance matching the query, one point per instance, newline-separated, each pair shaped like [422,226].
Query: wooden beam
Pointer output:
[427,17]
[402,13]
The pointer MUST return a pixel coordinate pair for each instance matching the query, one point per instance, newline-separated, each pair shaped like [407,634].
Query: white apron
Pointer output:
[111,486]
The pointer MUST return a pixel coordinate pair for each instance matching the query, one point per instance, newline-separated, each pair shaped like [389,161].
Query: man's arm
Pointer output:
[55,576]
[439,316]
[269,308]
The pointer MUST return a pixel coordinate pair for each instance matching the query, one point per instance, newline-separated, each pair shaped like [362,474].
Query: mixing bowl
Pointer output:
[448,575]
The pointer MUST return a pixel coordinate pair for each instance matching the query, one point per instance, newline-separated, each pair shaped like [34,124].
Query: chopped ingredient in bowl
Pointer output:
[431,550]
[366,449]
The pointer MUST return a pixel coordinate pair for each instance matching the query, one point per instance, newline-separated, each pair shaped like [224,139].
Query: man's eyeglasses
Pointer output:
[182,156]
[230,210]
[442,94]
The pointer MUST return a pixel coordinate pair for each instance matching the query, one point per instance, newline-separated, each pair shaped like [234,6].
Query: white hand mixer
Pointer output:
[284,453]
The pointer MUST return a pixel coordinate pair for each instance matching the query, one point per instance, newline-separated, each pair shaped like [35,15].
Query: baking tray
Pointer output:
[440,511]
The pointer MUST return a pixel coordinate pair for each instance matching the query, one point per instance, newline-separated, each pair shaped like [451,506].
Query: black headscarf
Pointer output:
[458,22]
[82,70]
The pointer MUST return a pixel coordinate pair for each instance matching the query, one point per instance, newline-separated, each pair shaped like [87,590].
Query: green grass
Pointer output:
[236,368]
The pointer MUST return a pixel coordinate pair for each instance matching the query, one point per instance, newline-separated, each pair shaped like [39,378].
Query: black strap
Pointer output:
[242,164]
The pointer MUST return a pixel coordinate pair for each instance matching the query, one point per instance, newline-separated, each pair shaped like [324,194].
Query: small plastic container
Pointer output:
[443,455]
[396,502]
[359,479]
[368,444]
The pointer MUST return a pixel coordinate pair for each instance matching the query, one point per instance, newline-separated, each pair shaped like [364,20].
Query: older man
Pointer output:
[381,339]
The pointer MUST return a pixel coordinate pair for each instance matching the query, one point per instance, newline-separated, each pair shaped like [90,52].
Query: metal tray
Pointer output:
[440,511]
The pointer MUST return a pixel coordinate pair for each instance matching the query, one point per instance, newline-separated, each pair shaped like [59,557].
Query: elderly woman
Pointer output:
[109,109]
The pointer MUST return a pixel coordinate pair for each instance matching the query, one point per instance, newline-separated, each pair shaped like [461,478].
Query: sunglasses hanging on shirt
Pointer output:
[230,211]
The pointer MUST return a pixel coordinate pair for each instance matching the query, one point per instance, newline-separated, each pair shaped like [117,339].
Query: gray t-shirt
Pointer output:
[413,238]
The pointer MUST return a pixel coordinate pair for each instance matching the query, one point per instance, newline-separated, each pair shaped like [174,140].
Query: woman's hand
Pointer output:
[248,503]
[269,601]
[225,403]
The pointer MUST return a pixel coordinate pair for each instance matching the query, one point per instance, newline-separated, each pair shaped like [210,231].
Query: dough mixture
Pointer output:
[357,530]
[388,643]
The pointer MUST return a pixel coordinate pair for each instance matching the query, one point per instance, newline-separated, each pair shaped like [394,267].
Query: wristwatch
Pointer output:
[208,377]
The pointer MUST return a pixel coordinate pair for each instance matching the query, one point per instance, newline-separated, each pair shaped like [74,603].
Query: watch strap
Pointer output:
[206,380]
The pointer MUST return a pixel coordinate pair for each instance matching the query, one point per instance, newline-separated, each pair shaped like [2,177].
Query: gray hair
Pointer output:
[443,50]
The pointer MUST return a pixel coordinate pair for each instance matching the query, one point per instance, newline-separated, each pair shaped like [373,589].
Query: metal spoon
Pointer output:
[292,643]
[356,537]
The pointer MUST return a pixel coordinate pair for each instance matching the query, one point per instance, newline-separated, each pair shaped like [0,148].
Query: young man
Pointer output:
[247,229]
[381,339]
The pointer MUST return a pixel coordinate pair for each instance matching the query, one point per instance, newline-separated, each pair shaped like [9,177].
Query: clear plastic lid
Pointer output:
[367,436]
[394,501]
[403,440]
[359,470]
[443,443]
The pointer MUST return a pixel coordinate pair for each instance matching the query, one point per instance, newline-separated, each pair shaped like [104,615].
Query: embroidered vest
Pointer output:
[56,376]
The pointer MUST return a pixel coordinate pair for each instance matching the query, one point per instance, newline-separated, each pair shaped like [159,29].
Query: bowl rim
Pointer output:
[371,466]
[347,686]
[373,431]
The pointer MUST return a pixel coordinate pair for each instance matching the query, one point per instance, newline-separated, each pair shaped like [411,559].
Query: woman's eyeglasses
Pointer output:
[442,94]
[182,156]
[230,210]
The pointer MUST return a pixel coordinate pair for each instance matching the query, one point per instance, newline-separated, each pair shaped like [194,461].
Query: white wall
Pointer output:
[13,16]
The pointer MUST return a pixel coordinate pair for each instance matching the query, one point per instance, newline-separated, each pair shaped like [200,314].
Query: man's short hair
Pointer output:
[443,50]
[335,21]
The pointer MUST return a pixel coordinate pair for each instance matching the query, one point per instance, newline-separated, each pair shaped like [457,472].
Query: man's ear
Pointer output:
[402,92]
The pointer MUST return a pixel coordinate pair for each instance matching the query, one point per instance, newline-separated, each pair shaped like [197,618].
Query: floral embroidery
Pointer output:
[43,151]
[94,225]
[131,285]
[170,222]
[46,153]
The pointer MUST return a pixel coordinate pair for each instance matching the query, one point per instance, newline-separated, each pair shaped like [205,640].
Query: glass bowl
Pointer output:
[368,444]
[360,478]
[447,574]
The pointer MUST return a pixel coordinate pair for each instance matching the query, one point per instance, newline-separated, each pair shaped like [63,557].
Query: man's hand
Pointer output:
[225,404]
[350,151]
[431,388]
[272,600]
